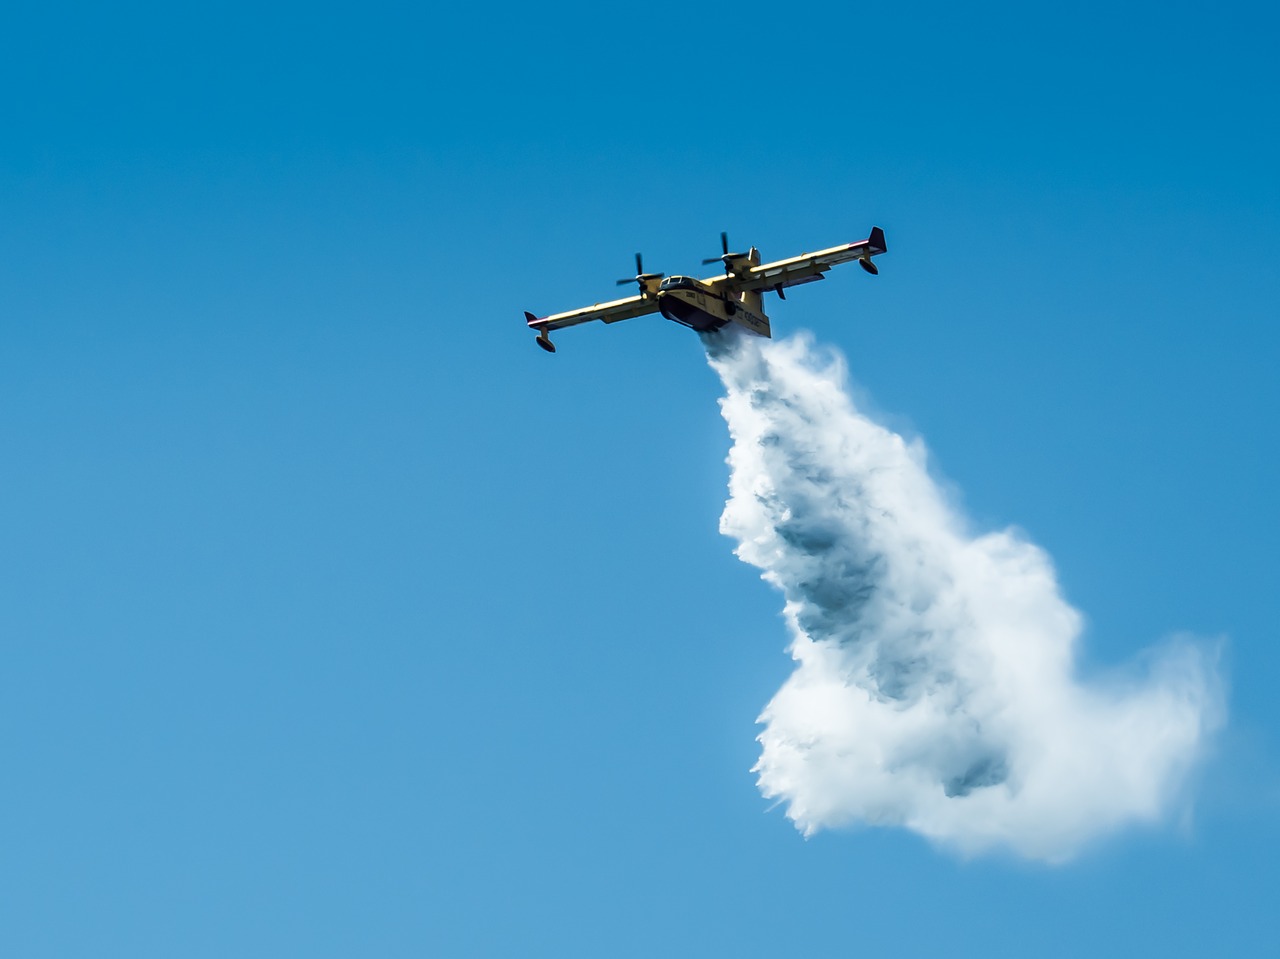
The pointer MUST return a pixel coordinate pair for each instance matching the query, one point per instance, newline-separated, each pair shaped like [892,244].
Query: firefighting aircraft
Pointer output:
[704,305]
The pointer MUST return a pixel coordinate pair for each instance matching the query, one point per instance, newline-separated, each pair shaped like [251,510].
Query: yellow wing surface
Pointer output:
[611,312]
[805,268]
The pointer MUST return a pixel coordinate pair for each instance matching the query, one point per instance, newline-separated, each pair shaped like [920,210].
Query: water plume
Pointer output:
[935,685]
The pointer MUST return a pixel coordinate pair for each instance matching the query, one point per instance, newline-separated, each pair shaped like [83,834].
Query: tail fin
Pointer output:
[752,315]
[877,240]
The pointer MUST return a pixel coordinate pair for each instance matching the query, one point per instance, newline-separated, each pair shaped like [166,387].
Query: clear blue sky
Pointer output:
[339,619]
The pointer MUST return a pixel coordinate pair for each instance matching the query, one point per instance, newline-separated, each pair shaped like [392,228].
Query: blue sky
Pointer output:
[337,617]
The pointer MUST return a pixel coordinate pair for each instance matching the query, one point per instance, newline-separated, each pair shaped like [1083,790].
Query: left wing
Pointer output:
[611,312]
[805,268]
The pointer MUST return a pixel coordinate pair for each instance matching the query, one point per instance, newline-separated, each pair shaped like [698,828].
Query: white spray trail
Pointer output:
[935,685]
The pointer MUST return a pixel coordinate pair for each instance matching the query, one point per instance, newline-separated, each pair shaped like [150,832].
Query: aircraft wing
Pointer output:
[611,312]
[805,268]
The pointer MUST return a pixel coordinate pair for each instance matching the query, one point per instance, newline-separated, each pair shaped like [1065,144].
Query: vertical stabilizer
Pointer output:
[751,313]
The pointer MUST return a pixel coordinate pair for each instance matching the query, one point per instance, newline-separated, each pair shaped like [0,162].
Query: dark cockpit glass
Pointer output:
[678,283]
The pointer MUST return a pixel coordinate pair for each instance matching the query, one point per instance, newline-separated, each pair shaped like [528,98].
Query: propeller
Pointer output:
[724,246]
[727,256]
[641,275]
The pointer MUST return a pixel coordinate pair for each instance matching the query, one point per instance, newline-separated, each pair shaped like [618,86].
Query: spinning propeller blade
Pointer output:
[726,258]
[724,247]
[640,276]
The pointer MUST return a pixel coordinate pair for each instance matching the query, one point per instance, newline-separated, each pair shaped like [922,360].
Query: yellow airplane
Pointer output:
[703,305]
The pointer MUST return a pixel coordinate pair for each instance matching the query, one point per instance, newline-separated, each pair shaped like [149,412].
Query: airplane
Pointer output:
[714,303]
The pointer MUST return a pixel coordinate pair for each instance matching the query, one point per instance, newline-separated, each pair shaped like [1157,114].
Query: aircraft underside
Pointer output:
[705,313]
[674,307]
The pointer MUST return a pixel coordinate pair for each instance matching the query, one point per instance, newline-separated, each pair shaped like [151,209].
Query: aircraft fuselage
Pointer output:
[689,303]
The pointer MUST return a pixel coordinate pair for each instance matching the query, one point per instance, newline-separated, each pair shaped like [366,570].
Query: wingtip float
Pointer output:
[736,296]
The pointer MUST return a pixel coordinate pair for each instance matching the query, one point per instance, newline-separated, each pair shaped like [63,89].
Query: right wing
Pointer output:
[610,312]
[805,268]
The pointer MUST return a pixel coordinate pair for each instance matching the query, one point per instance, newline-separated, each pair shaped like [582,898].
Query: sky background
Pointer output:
[337,618]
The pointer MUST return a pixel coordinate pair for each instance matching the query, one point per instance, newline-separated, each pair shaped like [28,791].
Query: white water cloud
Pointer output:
[935,685]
